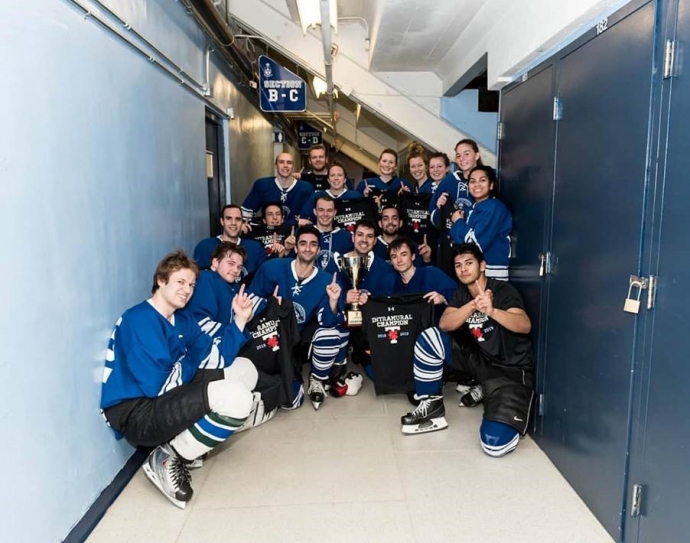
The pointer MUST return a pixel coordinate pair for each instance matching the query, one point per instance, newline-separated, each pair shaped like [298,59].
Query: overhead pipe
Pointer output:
[327,56]
[177,74]
[130,30]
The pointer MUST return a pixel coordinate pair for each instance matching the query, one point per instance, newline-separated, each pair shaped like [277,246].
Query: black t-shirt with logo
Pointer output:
[392,325]
[317,180]
[350,210]
[444,258]
[416,219]
[264,235]
[497,344]
[273,334]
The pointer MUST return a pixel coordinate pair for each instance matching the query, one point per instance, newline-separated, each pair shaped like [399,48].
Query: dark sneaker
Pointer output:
[316,392]
[429,416]
[473,397]
[168,473]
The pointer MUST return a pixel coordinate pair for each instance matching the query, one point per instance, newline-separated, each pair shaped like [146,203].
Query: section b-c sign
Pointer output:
[279,89]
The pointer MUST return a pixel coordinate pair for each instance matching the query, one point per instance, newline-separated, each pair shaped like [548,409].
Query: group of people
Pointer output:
[220,344]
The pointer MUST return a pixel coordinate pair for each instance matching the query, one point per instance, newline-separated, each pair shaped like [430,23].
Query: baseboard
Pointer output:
[93,516]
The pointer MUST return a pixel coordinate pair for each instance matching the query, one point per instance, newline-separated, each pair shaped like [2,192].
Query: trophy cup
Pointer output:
[355,268]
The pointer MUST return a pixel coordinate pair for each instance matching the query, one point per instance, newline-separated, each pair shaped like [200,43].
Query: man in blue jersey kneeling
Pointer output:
[168,385]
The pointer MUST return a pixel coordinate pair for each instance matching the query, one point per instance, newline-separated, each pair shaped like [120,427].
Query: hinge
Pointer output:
[540,410]
[670,59]
[636,505]
[499,131]
[557,108]
[651,293]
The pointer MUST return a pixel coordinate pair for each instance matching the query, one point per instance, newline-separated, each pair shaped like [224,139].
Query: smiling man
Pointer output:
[231,220]
[315,296]
[482,333]
[284,188]
[168,385]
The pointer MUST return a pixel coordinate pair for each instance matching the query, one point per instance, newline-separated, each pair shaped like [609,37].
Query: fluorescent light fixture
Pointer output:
[310,14]
[321,87]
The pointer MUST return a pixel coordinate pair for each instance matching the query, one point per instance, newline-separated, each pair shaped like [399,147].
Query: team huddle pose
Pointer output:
[301,274]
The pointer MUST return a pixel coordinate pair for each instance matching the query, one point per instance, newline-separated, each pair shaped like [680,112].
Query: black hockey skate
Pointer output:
[473,397]
[168,473]
[429,416]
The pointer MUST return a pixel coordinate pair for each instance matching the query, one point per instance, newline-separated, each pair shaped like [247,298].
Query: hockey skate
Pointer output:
[429,416]
[168,473]
[316,392]
[473,397]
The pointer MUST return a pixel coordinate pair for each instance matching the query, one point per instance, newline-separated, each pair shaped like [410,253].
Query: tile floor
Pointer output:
[346,473]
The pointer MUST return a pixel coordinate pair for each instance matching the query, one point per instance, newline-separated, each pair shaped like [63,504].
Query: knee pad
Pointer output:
[243,371]
[498,439]
[230,398]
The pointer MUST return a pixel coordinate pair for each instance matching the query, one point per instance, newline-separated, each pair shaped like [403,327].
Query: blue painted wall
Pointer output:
[461,111]
[102,172]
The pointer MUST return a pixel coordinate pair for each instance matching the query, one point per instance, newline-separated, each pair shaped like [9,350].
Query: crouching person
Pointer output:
[168,385]
[482,333]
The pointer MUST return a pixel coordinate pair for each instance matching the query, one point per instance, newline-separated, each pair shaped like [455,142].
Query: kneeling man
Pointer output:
[168,385]
[483,333]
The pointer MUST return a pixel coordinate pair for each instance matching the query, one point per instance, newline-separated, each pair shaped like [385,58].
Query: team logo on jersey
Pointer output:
[324,258]
[476,323]
[392,334]
[300,313]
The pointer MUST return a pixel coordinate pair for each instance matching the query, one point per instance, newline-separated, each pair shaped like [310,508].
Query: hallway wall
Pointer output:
[102,168]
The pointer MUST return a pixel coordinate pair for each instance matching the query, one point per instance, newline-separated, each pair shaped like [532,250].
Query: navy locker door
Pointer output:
[526,166]
[666,451]
[599,191]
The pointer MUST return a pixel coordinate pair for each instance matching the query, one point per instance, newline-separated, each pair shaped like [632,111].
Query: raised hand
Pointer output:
[277,248]
[442,200]
[484,301]
[275,295]
[290,241]
[424,251]
[333,290]
[246,227]
[242,308]
[366,190]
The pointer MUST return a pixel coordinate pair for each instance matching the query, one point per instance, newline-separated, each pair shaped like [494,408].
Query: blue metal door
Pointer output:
[662,453]
[526,177]
[604,88]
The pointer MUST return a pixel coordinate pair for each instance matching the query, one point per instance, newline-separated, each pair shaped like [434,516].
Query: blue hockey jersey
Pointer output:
[428,279]
[308,210]
[308,296]
[333,244]
[488,224]
[267,189]
[211,303]
[148,355]
[458,192]
[256,254]
[394,184]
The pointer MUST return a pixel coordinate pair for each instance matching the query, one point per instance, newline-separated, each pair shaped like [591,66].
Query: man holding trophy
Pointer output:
[361,274]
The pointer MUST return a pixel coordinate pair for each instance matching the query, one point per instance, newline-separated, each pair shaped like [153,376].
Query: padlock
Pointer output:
[632,305]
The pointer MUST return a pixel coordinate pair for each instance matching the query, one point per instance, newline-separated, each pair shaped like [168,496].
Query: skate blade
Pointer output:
[151,476]
[316,405]
[430,426]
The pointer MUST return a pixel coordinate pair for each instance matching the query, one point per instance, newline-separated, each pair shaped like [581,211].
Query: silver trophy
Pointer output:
[355,268]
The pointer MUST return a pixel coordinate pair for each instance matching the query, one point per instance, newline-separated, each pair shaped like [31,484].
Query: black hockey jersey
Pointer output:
[392,325]
[273,334]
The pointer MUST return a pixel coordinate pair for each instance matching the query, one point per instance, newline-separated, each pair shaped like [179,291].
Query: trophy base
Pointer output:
[353,318]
